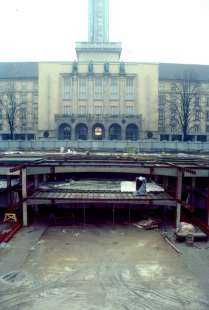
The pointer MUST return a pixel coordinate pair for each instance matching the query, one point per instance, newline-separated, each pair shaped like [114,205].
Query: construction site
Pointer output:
[83,230]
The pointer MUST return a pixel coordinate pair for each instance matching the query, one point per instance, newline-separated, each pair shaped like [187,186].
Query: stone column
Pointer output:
[90,102]
[106,95]
[74,108]
[122,95]
[123,133]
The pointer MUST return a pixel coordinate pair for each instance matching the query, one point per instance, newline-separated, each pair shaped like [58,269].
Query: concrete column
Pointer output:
[178,196]
[24,195]
[207,219]
[36,184]
[165,182]
[44,178]
[9,193]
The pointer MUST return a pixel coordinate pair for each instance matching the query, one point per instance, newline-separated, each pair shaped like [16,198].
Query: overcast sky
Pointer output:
[150,30]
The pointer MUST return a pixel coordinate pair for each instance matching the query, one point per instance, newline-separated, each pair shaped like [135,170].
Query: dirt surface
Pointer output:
[62,267]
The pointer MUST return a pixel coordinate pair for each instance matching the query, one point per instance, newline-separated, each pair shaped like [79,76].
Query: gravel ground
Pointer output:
[62,267]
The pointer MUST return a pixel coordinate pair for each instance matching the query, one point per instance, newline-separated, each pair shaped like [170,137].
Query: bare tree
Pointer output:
[183,110]
[11,106]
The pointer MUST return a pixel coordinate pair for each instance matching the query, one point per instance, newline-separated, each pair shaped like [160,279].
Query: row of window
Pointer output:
[98,110]
[98,89]
[172,128]
[173,100]
[173,114]
[23,99]
[23,86]
[23,127]
[161,87]
[23,113]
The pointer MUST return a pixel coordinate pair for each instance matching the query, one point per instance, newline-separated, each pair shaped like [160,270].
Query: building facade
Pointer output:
[98,96]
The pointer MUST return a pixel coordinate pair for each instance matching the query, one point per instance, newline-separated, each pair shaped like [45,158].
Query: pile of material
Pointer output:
[148,224]
[7,234]
[186,228]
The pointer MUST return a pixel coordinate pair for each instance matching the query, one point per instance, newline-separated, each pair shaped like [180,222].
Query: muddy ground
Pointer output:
[60,267]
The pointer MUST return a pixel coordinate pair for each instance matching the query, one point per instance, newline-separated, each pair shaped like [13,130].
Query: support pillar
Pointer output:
[24,195]
[113,217]
[36,184]
[9,193]
[207,216]
[44,178]
[165,182]
[84,216]
[178,196]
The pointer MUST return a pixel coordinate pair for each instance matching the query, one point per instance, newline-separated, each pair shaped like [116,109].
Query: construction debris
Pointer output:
[175,248]
[148,224]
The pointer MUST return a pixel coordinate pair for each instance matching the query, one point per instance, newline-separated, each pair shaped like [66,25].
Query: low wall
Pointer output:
[51,145]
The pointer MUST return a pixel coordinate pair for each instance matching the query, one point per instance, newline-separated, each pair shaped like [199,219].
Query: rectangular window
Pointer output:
[207,115]
[66,110]
[113,89]
[24,127]
[23,98]
[35,85]
[161,114]
[11,86]
[207,128]
[35,98]
[161,128]
[173,113]
[173,87]
[161,99]
[207,102]
[114,110]
[173,100]
[0,99]
[0,113]
[66,89]
[173,127]
[23,113]
[161,87]
[197,115]
[129,89]
[129,110]
[1,127]
[82,110]
[35,113]
[196,128]
[0,87]
[197,101]
[98,88]
[98,110]
[82,89]
[23,86]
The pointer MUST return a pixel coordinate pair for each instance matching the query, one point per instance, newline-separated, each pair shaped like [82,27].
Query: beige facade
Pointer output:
[25,94]
[78,104]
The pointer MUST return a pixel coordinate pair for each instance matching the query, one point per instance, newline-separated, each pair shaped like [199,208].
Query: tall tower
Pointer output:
[98,21]
[98,48]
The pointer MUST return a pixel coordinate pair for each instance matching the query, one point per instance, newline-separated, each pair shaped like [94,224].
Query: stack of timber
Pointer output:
[9,233]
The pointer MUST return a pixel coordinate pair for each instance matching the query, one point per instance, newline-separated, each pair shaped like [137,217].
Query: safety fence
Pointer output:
[105,145]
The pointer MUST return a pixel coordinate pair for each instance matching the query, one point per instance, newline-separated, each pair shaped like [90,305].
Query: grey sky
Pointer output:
[150,30]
